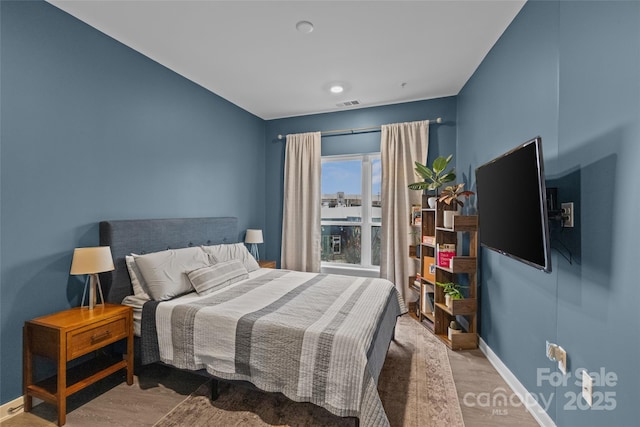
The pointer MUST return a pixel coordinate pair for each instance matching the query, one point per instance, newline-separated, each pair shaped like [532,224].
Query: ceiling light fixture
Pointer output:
[304,27]
[336,89]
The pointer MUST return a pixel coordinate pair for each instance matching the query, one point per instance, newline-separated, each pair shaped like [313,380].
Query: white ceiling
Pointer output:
[250,53]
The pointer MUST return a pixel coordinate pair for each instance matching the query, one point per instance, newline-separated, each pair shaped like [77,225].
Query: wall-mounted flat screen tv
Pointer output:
[512,206]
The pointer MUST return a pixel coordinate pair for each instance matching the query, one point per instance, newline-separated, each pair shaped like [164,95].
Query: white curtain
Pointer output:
[401,145]
[301,231]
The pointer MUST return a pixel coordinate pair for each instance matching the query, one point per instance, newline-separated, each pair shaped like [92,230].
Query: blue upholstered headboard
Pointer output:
[142,236]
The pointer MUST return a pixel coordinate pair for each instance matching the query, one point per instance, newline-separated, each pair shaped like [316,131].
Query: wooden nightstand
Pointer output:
[267,264]
[67,335]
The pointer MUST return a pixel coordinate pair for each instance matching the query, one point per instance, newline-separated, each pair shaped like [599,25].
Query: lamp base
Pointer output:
[254,251]
[94,281]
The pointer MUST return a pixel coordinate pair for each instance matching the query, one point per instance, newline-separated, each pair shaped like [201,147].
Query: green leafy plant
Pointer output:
[415,237]
[435,177]
[452,289]
[453,193]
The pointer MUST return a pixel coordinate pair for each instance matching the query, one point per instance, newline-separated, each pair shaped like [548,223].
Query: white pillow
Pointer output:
[226,252]
[165,273]
[137,281]
[217,276]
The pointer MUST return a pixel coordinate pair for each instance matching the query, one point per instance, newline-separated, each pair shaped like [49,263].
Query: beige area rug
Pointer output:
[416,388]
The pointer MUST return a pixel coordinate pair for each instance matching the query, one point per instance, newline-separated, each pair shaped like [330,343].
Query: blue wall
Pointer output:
[93,130]
[442,140]
[568,71]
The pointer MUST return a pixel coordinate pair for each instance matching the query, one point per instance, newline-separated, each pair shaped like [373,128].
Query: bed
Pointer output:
[313,337]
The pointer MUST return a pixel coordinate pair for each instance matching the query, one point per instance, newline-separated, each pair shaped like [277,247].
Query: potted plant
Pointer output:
[452,291]
[452,195]
[433,178]
[454,328]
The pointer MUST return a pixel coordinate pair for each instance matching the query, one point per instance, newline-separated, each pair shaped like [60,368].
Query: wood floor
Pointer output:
[159,389]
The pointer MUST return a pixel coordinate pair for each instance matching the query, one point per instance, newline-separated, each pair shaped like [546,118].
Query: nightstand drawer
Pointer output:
[82,341]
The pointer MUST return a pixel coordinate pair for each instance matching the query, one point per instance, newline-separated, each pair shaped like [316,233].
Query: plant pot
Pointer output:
[447,218]
[448,300]
[431,201]
[451,332]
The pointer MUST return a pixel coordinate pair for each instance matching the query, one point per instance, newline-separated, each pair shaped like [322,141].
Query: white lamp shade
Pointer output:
[92,260]
[253,236]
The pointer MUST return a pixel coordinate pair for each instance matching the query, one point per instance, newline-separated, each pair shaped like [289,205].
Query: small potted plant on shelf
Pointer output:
[452,195]
[433,178]
[454,328]
[452,291]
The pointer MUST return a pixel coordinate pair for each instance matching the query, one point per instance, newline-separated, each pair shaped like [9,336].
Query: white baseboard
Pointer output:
[532,405]
[6,409]
[16,404]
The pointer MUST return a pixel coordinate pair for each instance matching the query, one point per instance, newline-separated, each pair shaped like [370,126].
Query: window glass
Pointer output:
[351,210]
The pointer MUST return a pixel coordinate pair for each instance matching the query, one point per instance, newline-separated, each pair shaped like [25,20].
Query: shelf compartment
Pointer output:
[78,377]
[460,341]
[413,252]
[461,264]
[412,284]
[460,306]
[462,223]
[428,316]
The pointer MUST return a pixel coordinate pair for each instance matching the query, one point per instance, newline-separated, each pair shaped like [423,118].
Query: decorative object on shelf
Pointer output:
[91,261]
[452,195]
[452,291]
[416,215]
[432,202]
[415,236]
[429,268]
[253,237]
[435,177]
[429,240]
[447,218]
[446,251]
[454,328]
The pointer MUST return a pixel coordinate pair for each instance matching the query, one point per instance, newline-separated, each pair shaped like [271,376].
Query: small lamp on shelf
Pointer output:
[253,237]
[91,261]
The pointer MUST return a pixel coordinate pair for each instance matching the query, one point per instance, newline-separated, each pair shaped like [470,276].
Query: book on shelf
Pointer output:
[427,301]
[418,280]
[429,240]
[416,215]
[445,251]
[429,268]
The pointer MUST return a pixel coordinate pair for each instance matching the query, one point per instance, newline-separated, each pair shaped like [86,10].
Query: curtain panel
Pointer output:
[401,145]
[301,227]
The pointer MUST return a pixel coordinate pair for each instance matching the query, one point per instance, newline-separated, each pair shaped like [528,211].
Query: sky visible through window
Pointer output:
[346,176]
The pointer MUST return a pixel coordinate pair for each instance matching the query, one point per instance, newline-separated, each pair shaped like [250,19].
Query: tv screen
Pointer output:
[512,207]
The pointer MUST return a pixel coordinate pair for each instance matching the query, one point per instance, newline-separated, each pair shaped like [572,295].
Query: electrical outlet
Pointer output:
[567,214]
[561,356]
[587,387]
[558,354]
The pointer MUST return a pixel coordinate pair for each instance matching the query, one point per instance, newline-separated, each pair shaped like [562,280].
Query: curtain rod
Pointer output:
[356,130]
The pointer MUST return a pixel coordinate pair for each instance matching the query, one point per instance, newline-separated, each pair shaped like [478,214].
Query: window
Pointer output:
[351,210]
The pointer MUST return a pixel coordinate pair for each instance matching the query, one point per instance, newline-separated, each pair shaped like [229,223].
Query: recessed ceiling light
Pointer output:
[304,27]
[336,89]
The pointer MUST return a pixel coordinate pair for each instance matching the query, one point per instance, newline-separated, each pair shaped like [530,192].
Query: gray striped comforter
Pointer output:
[313,337]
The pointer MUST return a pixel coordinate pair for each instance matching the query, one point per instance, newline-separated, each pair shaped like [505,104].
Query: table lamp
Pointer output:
[91,261]
[253,237]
